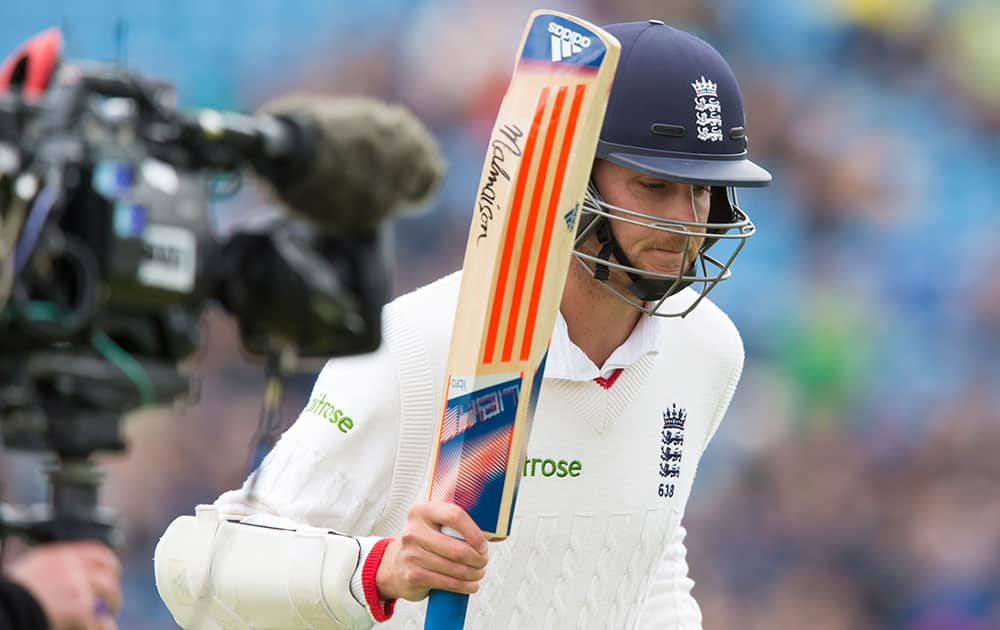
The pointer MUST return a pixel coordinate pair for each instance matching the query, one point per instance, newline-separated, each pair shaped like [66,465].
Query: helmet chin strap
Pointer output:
[609,246]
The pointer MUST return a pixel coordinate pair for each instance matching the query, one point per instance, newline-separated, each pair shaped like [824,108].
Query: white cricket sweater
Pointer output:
[596,540]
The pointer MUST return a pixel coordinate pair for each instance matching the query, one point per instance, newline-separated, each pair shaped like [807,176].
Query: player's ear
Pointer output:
[593,168]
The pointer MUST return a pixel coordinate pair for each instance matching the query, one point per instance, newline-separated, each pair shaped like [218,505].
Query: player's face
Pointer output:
[649,249]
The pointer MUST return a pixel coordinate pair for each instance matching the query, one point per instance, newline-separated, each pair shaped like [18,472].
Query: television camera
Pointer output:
[108,253]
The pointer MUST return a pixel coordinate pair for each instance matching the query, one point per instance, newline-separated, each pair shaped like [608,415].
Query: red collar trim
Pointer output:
[606,383]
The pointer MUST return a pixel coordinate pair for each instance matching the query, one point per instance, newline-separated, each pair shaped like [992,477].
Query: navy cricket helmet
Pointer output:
[675,113]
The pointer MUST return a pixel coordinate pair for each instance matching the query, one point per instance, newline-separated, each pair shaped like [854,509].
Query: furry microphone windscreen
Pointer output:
[358,160]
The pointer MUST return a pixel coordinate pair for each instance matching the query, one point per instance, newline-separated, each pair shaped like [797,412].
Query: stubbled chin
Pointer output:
[661,261]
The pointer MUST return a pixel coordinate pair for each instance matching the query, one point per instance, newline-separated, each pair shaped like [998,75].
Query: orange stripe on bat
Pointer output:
[550,218]
[511,235]
[529,232]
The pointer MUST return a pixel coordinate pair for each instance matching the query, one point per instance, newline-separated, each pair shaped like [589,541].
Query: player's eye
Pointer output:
[653,184]
[702,190]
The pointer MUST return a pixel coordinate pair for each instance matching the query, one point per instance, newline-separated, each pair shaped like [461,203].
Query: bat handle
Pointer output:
[446,609]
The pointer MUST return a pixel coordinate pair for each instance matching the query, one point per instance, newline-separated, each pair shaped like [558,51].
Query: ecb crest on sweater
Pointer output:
[672,442]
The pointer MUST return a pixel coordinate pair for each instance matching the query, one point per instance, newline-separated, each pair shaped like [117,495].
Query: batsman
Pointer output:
[335,529]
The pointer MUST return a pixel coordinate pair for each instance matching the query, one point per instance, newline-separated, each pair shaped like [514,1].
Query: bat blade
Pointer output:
[517,256]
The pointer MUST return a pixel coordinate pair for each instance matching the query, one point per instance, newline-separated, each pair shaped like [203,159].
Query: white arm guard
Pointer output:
[227,575]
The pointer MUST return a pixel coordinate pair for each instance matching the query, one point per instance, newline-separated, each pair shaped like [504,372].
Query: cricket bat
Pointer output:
[534,177]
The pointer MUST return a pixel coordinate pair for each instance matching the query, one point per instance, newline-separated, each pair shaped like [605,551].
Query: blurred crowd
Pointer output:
[853,484]
[840,527]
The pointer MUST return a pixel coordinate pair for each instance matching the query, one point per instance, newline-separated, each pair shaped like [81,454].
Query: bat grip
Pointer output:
[445,609]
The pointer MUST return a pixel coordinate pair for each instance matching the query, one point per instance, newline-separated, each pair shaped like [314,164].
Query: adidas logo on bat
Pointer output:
[570,217]
[566,42]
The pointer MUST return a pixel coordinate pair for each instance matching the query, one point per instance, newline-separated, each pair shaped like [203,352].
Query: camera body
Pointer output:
[111,256]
